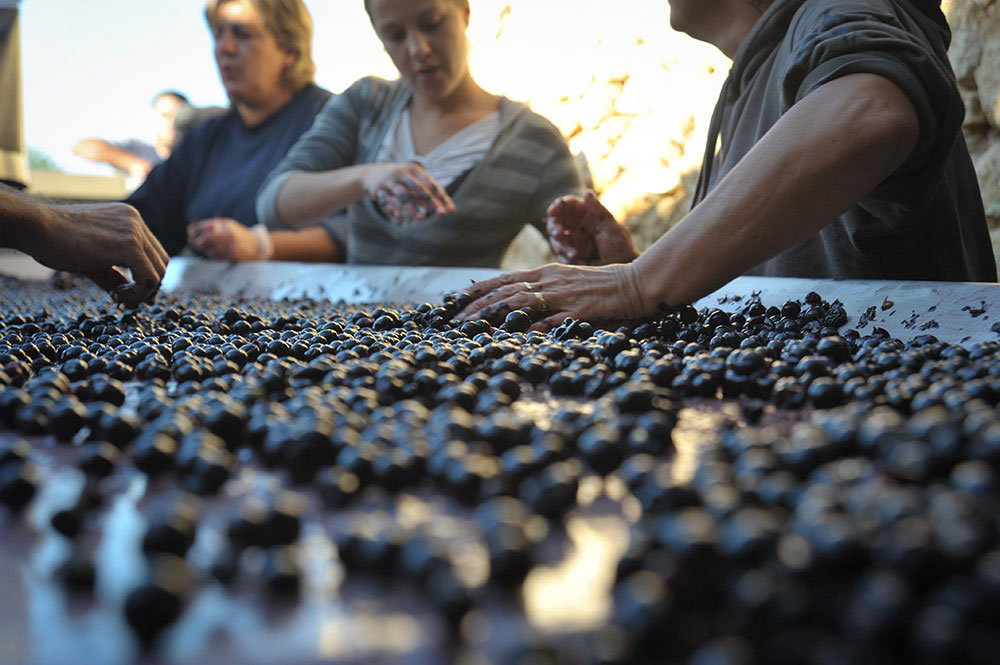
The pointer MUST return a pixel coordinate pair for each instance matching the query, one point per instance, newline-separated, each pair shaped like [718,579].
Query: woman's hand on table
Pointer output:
[224,239]
[406,192]
[583,232]
[557,292]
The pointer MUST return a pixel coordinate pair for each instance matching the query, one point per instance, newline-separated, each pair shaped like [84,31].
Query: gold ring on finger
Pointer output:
[542,305]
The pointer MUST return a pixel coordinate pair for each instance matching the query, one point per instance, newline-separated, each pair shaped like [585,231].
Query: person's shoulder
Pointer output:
[820,12]
[375,90]
[315,94]
[523,118]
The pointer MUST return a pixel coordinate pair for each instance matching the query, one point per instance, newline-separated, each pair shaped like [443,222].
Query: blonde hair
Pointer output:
[462,4]
[292,27]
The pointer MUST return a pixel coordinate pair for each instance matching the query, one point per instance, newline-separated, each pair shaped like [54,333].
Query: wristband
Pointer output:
[265,246]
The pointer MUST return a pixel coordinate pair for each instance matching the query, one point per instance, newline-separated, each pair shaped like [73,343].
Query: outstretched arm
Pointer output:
[92,239]
[99,150]
[824,155]
[405,192]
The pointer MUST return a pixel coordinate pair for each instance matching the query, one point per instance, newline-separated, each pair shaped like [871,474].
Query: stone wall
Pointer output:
[975,56]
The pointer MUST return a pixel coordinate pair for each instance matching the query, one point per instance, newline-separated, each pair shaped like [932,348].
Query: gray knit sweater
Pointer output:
[528,166]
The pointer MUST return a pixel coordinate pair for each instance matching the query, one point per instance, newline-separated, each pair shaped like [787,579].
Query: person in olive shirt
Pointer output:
[841,157]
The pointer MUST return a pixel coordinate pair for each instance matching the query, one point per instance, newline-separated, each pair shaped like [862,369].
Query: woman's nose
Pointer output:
[417,44]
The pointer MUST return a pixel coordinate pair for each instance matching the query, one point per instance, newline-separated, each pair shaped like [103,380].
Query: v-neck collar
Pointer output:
[406,133]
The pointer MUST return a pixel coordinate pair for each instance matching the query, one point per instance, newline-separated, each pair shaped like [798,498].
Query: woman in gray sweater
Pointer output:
[432,169]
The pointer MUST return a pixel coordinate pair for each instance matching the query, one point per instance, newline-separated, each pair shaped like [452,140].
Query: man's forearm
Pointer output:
[822,157]
[22,220]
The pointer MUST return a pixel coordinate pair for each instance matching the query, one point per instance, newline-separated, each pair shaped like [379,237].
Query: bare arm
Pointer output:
[91,239]
[309,245]
[226,239]
[824,155]
[99,150]
[404,191]
[307,198]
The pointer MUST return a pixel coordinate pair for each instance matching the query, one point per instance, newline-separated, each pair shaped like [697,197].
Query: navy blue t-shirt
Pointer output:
[218,168]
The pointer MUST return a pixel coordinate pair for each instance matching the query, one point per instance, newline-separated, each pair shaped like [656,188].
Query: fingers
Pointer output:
[153,250]
[569,225]
[596,213]
[479,288]
[388,204]
[157,250]
[109,279]
[203,231]
[565,250]
[400,204]
[198,234]
[216,249]
[152,245]
[212,237]
[121,289]
[487,299]
[406,192]
[150,251]
[584,232]
[576,246]
[406,201]
[145,257]
[565,207]
[432,190]
[495,306]
[549,322]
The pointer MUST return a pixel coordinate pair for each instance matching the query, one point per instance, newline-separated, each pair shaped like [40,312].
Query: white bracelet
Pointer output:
[265,245]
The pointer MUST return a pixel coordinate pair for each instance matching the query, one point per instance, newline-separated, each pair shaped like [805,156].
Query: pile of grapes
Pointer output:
[843,507]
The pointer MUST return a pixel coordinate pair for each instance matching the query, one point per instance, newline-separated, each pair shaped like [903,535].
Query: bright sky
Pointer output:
[92,68]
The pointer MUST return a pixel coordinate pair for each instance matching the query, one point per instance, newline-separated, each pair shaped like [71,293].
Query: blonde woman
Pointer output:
[203,195]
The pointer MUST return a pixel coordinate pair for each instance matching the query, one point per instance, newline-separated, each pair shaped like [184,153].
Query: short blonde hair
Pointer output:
[292,27]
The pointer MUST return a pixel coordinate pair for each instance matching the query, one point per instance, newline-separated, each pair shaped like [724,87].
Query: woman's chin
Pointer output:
[431,90]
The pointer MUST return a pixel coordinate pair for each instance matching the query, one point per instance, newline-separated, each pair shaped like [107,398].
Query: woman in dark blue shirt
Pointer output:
[203,195]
